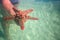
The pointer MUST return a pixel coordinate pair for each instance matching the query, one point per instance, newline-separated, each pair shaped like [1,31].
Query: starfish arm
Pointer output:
[25,19]
[21,24]
[8,18]
[28,11]
[32,18]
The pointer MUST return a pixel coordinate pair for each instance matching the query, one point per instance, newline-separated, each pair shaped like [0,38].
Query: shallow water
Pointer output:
[46,28]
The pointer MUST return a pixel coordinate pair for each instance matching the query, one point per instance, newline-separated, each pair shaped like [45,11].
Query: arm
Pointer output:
[8,6]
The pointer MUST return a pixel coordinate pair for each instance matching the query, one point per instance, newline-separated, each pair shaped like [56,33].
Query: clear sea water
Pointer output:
[46,28]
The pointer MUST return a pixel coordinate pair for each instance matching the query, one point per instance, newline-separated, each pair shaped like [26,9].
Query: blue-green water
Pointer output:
[46,28]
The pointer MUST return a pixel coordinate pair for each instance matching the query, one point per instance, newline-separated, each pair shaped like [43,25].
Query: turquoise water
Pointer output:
[46,28]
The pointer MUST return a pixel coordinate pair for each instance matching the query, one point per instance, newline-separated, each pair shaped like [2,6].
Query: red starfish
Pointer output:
[21,17]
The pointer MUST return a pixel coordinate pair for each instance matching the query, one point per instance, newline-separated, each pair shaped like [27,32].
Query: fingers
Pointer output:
[15,9]
[12,12]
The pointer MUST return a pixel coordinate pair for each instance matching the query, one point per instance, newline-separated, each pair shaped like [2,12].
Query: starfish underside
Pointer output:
[21,17]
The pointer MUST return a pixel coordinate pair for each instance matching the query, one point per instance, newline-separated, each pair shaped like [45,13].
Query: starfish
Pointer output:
[21,17]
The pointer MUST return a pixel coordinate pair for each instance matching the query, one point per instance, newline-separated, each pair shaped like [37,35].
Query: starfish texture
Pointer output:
[21,17]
